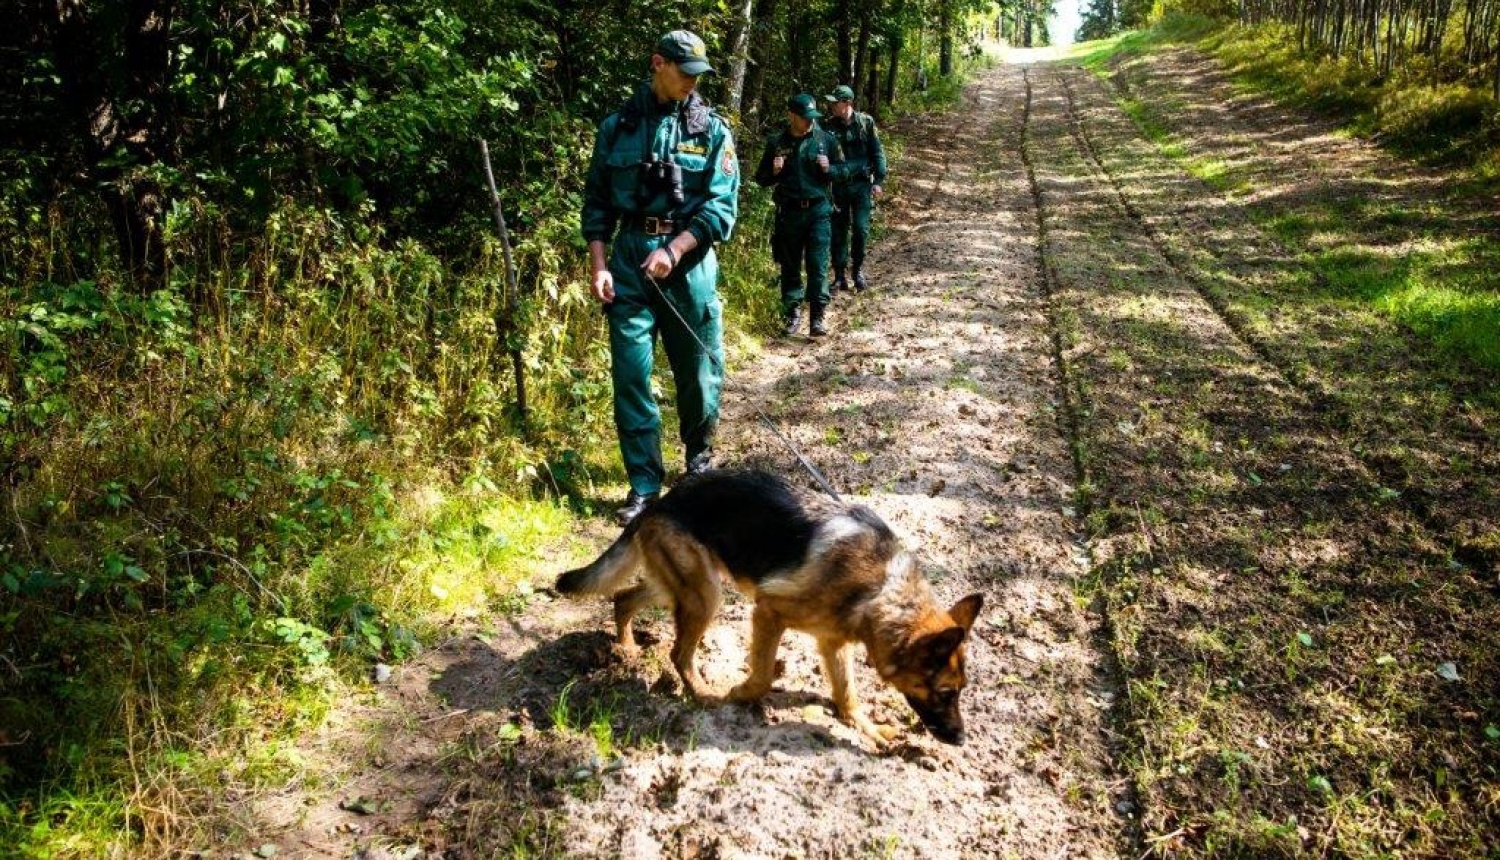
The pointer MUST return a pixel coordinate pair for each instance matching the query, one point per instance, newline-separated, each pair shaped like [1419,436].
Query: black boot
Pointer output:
[816,325]
[634,504]
[839,281]
[793,319]
[701,463]
[860,284]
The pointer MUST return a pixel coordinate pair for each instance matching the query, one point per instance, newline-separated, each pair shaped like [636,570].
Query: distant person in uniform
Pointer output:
[661,190]
[854,198]
[801,163]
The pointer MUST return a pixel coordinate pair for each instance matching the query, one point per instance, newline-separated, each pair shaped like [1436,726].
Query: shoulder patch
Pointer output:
[728,164]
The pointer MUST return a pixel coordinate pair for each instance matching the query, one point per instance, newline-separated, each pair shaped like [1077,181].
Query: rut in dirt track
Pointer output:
[1319,400]
[1236,507]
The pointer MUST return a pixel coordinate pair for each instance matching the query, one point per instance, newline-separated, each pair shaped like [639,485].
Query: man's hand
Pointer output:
[603,286]
[777,163]
[823,162]
[877,190]
[659,263]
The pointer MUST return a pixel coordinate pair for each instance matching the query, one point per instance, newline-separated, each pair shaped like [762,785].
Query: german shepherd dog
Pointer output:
[811,563]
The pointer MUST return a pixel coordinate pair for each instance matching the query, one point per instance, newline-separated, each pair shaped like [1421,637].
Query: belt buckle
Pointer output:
[652,226]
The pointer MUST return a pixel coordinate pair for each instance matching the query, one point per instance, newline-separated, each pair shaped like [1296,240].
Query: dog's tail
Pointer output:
[608,573]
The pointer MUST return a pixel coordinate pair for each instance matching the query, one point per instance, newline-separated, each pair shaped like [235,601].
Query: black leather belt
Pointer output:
[651,225]
[801,202]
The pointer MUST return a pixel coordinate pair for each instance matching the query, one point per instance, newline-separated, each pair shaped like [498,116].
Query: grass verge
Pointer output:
[1292,511]
[1422,268]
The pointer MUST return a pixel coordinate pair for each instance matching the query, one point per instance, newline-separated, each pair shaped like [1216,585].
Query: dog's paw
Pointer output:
[746,693]
[877,736]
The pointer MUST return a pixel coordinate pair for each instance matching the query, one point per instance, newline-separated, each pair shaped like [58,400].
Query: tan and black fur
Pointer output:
[811,563]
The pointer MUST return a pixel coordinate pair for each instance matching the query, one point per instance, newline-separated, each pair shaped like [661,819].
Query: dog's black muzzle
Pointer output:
[944,722]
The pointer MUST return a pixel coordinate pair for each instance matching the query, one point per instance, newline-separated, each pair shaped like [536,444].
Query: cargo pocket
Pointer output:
[624,179]
[695,172]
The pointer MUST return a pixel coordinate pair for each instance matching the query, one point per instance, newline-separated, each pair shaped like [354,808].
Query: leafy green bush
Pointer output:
[1212,9]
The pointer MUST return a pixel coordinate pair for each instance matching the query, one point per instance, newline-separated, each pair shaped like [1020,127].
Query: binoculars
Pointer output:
[661,177]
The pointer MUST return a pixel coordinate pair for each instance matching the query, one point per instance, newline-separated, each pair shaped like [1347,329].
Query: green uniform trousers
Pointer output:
[637,317]
[855,204]
[800,243]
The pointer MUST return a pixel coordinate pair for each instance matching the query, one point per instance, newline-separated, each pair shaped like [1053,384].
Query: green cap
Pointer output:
[841,93]
[686,50]
[803,105]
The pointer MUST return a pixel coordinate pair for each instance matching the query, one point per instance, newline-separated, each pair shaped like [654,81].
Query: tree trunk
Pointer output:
[1470,7]
[762,35]
[945,38]
[892,67]
[794,52]
[136,210]
[102,67]
[739,55]
[845,39]
[862,46]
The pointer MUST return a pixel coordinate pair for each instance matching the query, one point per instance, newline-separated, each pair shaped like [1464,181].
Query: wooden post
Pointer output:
[505,319]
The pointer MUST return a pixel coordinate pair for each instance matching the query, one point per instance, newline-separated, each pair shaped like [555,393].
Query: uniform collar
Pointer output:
[693,112]
[812,131]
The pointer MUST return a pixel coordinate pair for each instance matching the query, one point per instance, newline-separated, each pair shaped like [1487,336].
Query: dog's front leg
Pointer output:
[766,628]
[838,665]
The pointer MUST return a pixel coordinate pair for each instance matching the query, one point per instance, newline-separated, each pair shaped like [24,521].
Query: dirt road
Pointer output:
[934,403]
[1058,393]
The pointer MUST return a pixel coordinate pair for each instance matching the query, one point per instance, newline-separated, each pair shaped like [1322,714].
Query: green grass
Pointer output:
[942,93]
[1222,698]
[1445,123]
[1098,55]
[466,554]
[69,823]
[1437,292]
[1215,173]
[1441,289]
[1441,123]
[594,718]
[451,553]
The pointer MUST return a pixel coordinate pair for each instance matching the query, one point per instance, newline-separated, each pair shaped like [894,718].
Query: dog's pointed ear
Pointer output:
[965,611]
[938,647]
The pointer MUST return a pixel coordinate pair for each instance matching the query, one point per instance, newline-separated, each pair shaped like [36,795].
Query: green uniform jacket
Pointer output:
[614,202]
[801,178]
[699,142]
[862,148]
